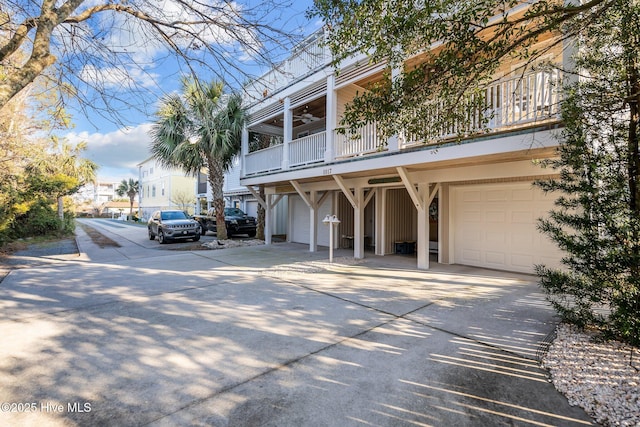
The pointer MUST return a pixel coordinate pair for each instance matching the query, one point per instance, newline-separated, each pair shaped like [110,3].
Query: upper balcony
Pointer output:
[511,104]
[306,58]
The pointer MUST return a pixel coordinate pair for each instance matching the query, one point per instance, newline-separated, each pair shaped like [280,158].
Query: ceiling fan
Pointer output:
[306,117]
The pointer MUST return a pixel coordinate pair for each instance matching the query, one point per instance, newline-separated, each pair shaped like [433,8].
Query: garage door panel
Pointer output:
[471,235]
[496,195]
[495,216]
[472,217]
[470,256]
[522,242]
[522,195]
[495,226]
[496,237]
[496,259]
[523,217]
[472,196]
[524,261]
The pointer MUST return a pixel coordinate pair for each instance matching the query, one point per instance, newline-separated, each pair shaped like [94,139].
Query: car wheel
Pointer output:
[161,237]
[203,231]
[251,233]
[151,235]
[195,239]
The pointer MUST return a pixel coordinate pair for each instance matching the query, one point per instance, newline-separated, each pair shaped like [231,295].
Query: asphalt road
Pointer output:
[269,336]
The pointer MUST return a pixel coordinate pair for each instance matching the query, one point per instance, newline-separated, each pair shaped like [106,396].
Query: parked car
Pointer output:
[237,222]
[171,225]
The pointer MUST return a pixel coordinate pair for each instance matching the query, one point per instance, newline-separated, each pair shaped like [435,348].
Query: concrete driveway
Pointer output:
[270,336]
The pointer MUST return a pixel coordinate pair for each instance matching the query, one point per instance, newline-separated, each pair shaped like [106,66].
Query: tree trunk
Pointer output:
[41,57]
[216,182]
[261,216]
[61,212]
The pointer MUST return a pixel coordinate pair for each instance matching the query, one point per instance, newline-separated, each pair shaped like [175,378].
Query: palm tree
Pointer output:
[130,188]
[202,128]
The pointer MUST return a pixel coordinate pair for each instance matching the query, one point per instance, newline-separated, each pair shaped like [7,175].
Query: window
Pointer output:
[153,190]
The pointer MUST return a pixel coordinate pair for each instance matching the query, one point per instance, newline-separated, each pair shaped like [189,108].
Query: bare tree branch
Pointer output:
[105,53]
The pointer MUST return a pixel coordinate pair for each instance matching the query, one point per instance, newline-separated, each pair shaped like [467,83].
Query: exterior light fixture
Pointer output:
[331,221]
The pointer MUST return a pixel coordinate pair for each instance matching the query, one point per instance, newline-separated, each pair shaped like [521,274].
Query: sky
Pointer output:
[118,148]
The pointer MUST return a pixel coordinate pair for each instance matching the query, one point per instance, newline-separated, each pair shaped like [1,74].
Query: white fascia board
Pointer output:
[491,146]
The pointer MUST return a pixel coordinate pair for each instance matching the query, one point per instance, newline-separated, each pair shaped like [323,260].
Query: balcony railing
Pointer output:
[533,97]
[508,104]
[357,141]
[265,160]
[308,149]
[308,56]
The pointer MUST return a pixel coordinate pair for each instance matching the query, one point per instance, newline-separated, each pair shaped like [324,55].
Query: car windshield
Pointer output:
[173,215]
[233,212]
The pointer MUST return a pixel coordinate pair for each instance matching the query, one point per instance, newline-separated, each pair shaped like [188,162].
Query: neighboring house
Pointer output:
[163,188]
[98,192]
[472,202]
[117,208]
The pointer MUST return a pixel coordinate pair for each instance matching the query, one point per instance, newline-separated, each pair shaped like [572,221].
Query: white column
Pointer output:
[290,220]
[423,227]
[331,118]
[268,219]
[393,143]
[358,224]
[313,222]
[444,235]
[379,225]
[288,132]
[244,150]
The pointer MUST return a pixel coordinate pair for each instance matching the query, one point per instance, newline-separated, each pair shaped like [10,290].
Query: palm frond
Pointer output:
[201,124]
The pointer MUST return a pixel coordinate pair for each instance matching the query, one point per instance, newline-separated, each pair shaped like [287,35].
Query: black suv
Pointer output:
[173,225]
[236,220]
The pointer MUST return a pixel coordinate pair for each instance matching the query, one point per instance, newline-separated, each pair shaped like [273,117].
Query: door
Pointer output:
[495,226]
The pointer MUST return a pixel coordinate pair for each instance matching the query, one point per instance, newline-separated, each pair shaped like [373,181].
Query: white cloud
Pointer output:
[117,78]
[137,38]
[117,153]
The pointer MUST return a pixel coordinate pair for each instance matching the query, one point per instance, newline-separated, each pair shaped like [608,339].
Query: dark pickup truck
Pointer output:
[237,222]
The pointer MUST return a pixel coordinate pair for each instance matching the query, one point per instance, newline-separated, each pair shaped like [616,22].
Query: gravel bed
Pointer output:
[230,243]
[600,377]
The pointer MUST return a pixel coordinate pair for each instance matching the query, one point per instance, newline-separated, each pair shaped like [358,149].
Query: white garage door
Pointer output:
[495,227]
[301,222]
[252,208]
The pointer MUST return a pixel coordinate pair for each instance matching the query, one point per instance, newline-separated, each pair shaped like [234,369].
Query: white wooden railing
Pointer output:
[265,160]
[519,100]
[308,149]
[306,57]
[507,104]
[357,141]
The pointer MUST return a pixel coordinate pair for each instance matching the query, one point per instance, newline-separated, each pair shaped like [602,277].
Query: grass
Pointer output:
[99,238]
